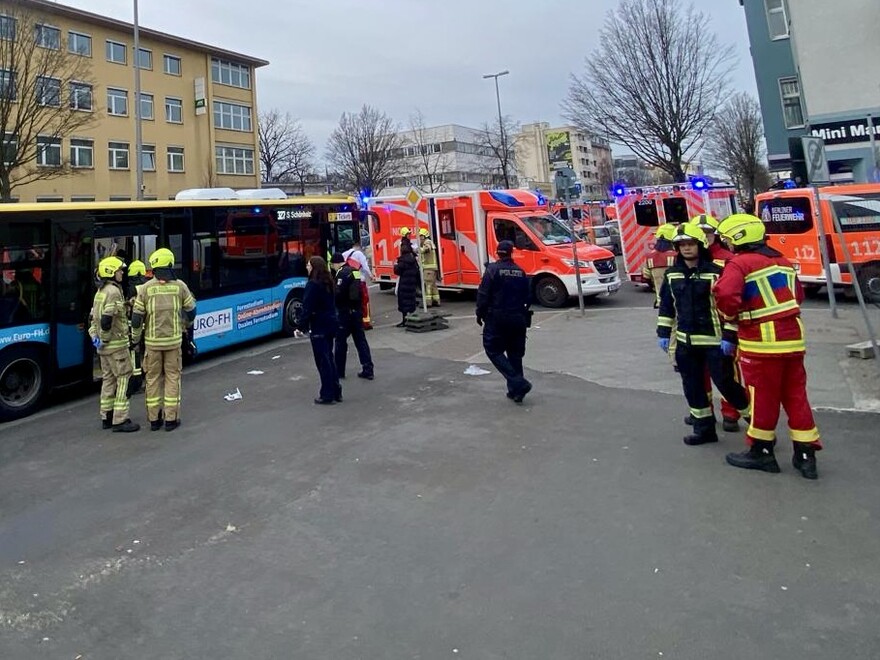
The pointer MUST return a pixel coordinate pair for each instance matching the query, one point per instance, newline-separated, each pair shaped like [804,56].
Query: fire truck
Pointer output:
[467,227]
[641,210]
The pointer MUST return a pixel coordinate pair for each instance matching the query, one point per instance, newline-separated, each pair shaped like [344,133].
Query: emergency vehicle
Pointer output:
[641,210]
[467,227]
[794,217]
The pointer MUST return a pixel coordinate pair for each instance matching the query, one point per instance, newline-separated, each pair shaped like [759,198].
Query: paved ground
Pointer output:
[428,517]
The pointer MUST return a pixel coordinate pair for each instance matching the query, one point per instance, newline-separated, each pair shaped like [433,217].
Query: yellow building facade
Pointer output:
[198,109]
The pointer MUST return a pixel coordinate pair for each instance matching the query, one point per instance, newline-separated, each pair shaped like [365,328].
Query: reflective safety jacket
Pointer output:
[109,319]
[720,254]
[429,254]
[760,291]
[162,311]
[686,297]
[655,267]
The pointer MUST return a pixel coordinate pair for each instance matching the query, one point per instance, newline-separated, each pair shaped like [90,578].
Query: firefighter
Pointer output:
[164,307]
[109,330]
[428,255]
[659,259]
[503,301]
[760,290]
[137,275]
[349,311]
[686,297]
[405,239]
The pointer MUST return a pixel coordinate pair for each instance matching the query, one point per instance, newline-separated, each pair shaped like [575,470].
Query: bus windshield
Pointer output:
[549,229]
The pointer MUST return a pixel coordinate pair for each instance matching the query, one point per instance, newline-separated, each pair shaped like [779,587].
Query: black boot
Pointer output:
[804,461]
[689,419]
[170,426]
[157,425]
[107,421]
[758,457]
[702,437]
[730,425]
[402,324]
[127,426]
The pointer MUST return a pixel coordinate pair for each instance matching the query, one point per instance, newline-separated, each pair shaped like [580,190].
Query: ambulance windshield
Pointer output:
[550,230]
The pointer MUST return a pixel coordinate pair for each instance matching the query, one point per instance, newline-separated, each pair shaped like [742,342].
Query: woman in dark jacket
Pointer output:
[317,316]
[407,271]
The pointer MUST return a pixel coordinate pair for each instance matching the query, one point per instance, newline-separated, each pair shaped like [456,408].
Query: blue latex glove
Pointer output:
[97,343]
[663,344]
[728,347]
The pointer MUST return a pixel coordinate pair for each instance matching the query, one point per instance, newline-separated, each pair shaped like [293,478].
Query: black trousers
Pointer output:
[505,347]
[322,349]
[352,326]
[692,364]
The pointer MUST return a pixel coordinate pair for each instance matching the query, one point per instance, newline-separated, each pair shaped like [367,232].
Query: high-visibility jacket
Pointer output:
[159,313]
[655,267]
[429,254]
[760,291]
[109,319]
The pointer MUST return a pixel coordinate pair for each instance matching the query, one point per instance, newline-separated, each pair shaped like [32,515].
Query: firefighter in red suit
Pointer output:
[760,290]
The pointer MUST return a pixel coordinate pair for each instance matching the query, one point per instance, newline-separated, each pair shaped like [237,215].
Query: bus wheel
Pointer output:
[291,308]
[550,292]
[22,382]
[869,281]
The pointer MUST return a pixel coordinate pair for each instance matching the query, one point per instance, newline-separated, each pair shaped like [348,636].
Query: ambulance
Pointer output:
[641,210]
[795,219]
[467,227]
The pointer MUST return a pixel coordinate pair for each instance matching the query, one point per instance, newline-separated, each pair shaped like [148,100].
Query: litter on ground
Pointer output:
[474,370]
[234,396]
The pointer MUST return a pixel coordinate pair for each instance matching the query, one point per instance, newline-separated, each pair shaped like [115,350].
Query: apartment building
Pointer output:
[198,108]
[542,149]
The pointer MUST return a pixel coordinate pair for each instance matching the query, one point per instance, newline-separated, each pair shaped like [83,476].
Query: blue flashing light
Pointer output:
[505,198]
[364,197]
[699,184]
[542,201]
[789,184]
[619,190]
[257,210]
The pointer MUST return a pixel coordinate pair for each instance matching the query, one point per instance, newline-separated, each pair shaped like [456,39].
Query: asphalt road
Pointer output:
[427,517]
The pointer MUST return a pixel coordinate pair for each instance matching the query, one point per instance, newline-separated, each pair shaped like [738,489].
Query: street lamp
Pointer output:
[138,139]
[496,76]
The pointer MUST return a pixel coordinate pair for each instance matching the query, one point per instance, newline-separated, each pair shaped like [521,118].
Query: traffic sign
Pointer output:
[414,197]
[817,163]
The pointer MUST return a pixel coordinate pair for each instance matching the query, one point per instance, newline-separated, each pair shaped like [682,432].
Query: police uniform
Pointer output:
[428,253]
[503,310]
[761,292]
[164,307]
[109,330]
[349,311]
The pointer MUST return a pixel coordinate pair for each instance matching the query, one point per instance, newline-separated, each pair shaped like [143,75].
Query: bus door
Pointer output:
[341,231]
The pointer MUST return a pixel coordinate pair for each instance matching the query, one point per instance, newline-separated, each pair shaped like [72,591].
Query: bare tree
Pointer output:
[605,174]
[654,83]
[498,140]
[363,149]
[286,152]
[46,94]
[432,163]
[735,144]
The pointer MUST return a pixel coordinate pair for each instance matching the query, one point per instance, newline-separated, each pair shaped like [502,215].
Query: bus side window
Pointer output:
[24,281]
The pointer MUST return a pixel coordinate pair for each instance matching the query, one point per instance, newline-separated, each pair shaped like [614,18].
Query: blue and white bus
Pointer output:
[243,256]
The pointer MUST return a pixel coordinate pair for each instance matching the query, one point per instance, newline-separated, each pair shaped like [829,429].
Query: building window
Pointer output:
[235,160]
[175,159]
[145,58]
[7,84]
[148,158]
[47,91]
[173,110]
[172,65]
[49,152]
[82,153]
[9,148]
[232,117]
[118,153]
[47,36]
[120,198]
[116,52]
[80,96]
[82,198]
[777,18]
[117,102]
[48,199]
[230,73]
[7,28]
[79,44]
[792,111]
[146,106]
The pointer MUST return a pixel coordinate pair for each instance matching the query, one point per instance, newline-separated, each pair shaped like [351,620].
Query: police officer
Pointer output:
[686,297]
[349,311]
[137,275]
[428,255]
[503,301]
[109,331]
[164,306]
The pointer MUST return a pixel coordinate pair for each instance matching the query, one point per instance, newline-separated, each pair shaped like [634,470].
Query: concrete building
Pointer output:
[198,104]
[813,64]
[448,158]
[541,150]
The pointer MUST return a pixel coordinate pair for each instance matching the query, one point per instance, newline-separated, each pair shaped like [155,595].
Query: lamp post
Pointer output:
[496,76]
[138,135]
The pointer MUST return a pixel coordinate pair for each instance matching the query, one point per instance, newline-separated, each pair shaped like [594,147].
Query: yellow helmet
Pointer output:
[108,266]
[742,229]
[705,221]
[162,258]
[689,232]
[665,231]
[424,232]
[405,231]
[137,268]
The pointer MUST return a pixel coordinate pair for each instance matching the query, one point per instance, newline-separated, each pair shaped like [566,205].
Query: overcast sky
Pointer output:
[331,56]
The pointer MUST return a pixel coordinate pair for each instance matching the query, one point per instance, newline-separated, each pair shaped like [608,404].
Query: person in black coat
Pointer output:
[317,316]
[349,309]
[407,271]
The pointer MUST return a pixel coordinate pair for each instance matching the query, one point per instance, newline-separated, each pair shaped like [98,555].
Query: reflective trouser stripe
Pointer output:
[115,372]
[162,369]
